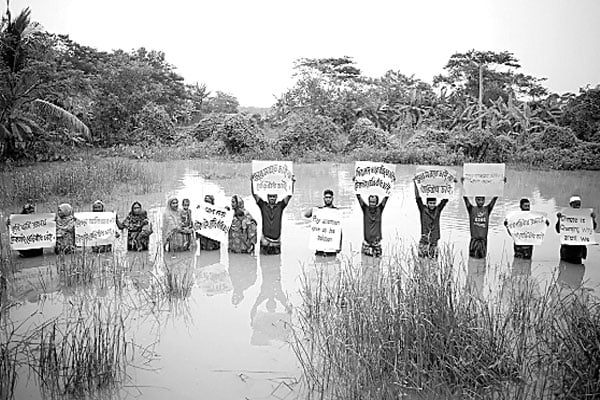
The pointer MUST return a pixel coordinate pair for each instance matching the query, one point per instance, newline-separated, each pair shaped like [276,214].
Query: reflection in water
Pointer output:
[476,268]
[570,276]
[242,271]
[270,315]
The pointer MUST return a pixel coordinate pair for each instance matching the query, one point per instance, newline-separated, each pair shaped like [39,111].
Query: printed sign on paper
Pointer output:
[576,226]
[436,182]
[372,178]
[325,229]
[527,227]
[94,228]
[32,231]
[483,179]
[272,177]
[212,222]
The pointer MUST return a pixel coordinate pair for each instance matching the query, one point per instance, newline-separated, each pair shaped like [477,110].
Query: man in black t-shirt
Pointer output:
[372,213]
[272,213]
[479,220]
[430,224]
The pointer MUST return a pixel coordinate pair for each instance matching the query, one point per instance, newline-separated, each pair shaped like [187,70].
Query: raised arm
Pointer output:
[418,196]
[256,197]
[557,226]
[467,203]
[384,202]
[287,198]
[492,204]
[443,203]
[360,200]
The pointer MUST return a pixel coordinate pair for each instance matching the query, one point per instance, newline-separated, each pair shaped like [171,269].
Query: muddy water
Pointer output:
[229,338]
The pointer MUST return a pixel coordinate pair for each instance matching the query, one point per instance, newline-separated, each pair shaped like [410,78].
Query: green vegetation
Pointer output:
[411,328]
[62,97]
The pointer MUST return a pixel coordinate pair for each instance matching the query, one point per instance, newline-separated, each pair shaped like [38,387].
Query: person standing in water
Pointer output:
[28,208]
[524,251]
[430,224]
[574,253]
[272,213]
[327,203]
[479,221]
[372,215]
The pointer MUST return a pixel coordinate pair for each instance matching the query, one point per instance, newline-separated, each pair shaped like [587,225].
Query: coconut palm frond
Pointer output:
[69,120]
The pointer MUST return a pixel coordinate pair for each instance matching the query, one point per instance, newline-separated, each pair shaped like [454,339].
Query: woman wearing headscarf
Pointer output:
[28,209]
[65,230]
[242,234]
[98,206]
[138,227]
[208,243]
[174,236]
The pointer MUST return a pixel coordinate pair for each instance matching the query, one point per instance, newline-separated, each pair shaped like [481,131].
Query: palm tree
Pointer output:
[21,105]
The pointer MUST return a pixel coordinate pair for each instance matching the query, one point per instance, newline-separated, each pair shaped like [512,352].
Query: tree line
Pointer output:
[57,94]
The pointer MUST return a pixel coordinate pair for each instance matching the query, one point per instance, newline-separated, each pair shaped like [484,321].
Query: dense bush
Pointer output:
[365,134]
[239,133]
[304,132]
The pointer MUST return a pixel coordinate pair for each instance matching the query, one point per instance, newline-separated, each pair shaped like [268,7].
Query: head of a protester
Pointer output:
[524,204]
[272,199]
[431,203]
[210,199]
[28,208]
[136,208]
[173,204]
[480,201]
[575,201]
[98,206]
[185,203]
[373,200]
[237,203]
[65,211]
[328,197]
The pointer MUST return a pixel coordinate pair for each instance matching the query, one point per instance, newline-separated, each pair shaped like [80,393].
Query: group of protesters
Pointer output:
[180,232]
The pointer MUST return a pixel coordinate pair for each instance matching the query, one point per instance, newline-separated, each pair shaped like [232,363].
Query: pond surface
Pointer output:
[224,342]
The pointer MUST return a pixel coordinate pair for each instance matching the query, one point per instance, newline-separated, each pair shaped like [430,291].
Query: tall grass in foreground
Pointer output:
[84,355]
[410,328]
[79,181]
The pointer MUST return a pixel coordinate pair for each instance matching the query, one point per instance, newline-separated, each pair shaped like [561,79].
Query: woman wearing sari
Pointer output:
[65,230]
[98,206]
[175,237]
[138,227]
[242,234]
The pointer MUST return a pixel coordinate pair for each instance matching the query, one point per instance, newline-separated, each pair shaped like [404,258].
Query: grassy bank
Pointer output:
[411,329]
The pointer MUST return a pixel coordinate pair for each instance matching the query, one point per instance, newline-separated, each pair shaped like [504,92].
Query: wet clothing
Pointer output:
[187,225]
[372,222]
[98,206]
[270,246]
[65,230]
[174,236]
[208,243]
[242,233]
[479,220]
[523,251]
[139,229]
[372,249]
[271,218]
[430,228]
[573,253]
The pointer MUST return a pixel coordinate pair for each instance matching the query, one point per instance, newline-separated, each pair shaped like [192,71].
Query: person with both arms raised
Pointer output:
[430,224]
[272,212]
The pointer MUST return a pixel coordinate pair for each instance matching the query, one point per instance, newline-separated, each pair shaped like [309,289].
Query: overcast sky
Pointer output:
[247,48]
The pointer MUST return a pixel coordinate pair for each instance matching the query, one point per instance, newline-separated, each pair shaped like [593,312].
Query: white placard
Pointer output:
[32,231]
[527,227]
[436,182]
[576,226]
[325,229]
[372,178]
[94,228]
[483,179]
[272,177]
[212,222]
